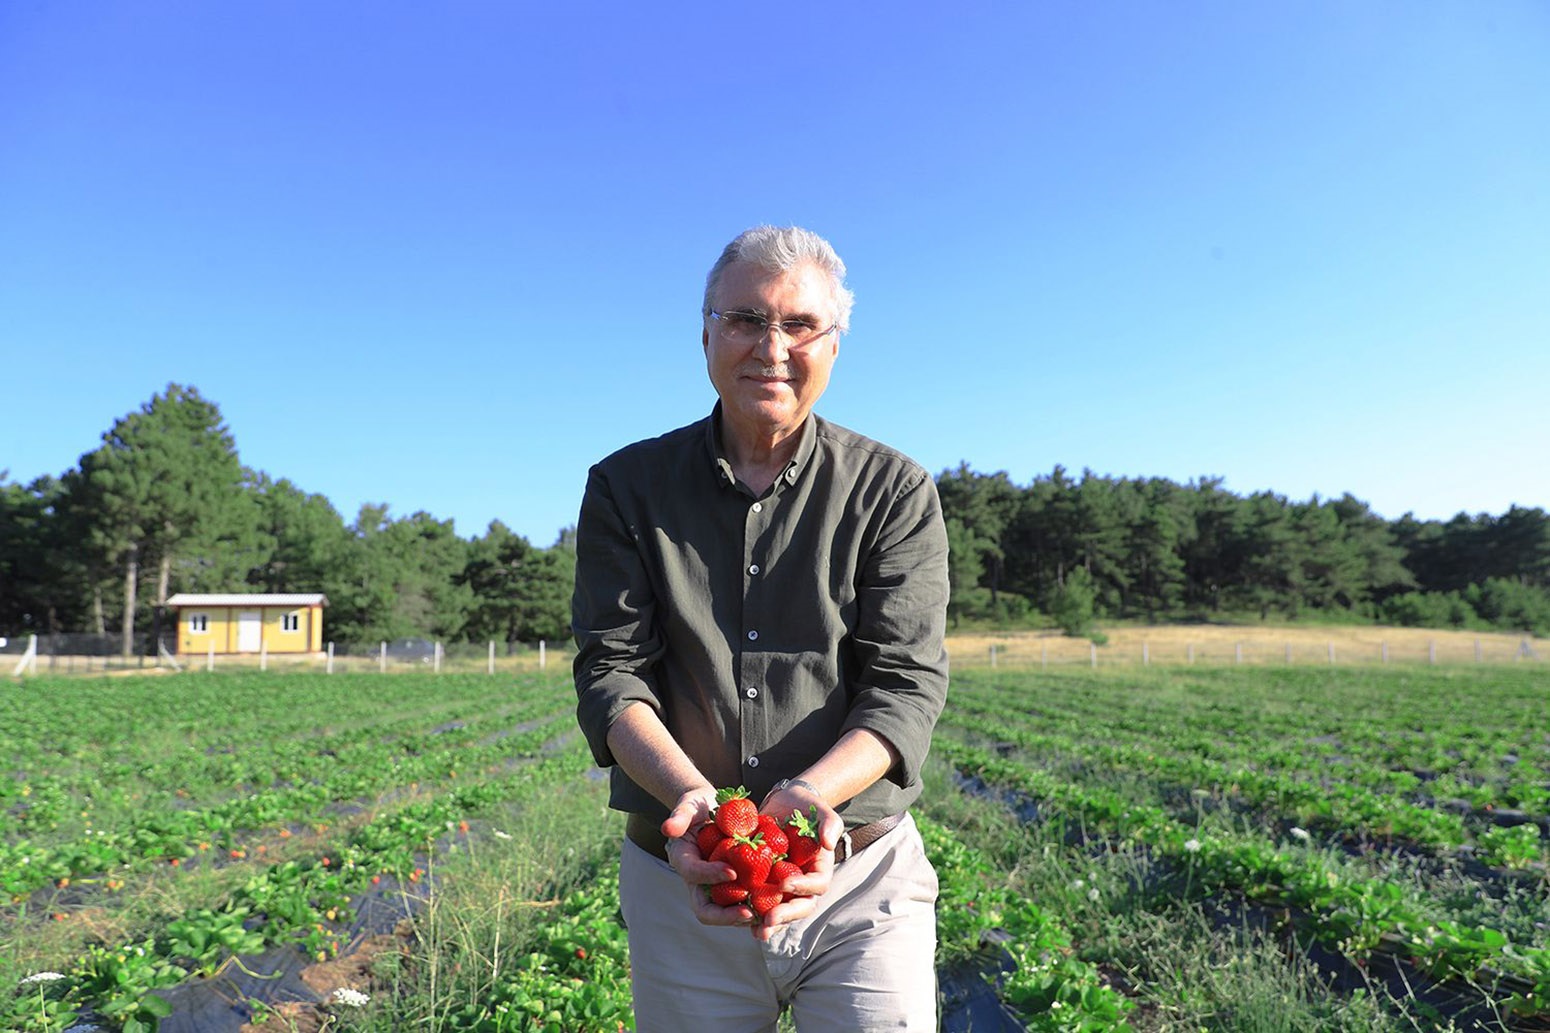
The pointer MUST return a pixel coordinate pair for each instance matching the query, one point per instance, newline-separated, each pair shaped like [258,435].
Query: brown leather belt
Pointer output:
[647,835]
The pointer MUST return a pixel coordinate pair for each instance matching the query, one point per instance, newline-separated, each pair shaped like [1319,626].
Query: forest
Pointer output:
[164,505]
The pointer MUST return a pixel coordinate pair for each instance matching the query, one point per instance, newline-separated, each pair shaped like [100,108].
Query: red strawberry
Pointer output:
[802,838]
[780,871]
[774,837]
[709,835]
[751,861]
[728,894]
[763,898]
[736,814]
[722,849]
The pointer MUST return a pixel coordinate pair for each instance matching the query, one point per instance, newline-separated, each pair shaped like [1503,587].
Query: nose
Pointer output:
[773,345]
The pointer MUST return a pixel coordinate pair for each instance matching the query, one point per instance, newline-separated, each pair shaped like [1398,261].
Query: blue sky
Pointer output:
[444,257]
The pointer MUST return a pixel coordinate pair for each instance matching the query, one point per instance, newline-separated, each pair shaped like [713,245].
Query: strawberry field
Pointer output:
[1158,849]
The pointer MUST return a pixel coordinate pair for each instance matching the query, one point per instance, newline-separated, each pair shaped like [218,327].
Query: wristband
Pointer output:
[802,782]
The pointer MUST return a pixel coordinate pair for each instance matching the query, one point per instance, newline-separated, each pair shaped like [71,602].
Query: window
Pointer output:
[290,622]
[198,622]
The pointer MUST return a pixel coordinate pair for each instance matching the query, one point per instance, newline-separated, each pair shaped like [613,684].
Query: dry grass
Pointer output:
[1249,644]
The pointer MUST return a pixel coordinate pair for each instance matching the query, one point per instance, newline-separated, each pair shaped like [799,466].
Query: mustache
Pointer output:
[778,371]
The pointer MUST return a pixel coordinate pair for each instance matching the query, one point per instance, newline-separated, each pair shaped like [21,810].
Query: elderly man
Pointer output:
[760,601]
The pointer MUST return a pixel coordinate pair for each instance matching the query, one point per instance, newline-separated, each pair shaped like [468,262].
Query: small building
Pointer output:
[249,623]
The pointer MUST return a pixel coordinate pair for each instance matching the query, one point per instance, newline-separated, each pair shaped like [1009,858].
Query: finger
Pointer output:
[682,817]
[709,913]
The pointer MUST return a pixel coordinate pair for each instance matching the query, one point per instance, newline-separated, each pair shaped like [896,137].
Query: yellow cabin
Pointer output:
[249,623]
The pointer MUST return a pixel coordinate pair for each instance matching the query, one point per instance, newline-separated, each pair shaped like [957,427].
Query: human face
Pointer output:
[767,386]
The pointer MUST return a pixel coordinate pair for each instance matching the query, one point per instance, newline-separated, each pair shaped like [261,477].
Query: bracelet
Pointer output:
[802,782]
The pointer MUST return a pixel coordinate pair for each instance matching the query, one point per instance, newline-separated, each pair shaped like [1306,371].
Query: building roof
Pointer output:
[247,599]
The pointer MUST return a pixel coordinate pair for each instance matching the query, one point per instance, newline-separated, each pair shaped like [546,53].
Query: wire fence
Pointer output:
[91,654]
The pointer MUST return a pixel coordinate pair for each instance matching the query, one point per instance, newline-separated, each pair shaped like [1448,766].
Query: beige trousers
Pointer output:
[863,961]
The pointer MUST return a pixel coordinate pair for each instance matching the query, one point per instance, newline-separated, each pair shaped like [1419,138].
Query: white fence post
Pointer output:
[263,655]
[1477,651]
[438,658]
[492,656]
[1431,650]
[382,659]
[1189,653]
[210,657]
[330,658]
[1146,653]
[992,656]
[29,660]
[1288,654]
[1043,654]
[542,656]
[1383,649]
[1092,652]
[1331,652]
[1237,652]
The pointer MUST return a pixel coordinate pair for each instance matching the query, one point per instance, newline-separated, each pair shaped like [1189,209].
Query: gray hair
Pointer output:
[781,249]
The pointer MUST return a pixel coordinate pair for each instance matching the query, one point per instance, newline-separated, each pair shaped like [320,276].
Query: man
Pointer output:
[760,601]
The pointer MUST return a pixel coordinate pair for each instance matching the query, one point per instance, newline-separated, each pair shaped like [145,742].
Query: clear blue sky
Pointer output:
[446,256]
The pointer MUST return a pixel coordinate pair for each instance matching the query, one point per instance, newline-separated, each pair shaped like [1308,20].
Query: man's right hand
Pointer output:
[692,811]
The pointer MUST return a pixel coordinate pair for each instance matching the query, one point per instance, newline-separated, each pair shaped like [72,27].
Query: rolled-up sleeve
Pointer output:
[612,617]
[901,683]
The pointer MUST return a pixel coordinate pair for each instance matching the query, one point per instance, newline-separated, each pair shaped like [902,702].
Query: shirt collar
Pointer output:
[807,444]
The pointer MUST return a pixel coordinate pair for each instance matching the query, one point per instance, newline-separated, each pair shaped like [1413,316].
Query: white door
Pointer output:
[250,632]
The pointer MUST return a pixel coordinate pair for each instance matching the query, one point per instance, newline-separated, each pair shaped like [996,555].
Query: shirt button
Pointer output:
[758,507]
[753,568]
[753,762]
[753,636]
[751,692]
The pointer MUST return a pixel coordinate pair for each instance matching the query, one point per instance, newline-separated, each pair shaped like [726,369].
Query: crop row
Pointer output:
[301,902]
[1408,731]
[1352,915]
[1333,807]
[160,835]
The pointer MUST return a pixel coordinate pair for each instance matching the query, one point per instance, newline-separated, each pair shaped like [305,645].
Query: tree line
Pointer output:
[1154,549]
[164,504]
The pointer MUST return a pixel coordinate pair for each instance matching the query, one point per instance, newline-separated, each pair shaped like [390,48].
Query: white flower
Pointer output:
[1301,834]
[1093,894]
[1077,884]
[351,998]
[498,834]
[1192,846]
[43,977]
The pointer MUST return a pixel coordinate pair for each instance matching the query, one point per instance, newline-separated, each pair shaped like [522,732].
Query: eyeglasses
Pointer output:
[743,327]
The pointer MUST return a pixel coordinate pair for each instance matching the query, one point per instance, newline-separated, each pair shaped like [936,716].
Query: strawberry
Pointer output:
[802,838]
[736,814]
[780,871]
[764,898]
[751,860]
[722,849]
[707,838]
[728,894]
[774,837]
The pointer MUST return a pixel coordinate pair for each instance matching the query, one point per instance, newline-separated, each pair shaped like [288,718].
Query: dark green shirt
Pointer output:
[762,629]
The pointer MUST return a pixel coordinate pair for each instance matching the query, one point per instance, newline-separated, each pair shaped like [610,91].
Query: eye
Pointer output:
[741,322]
[798,327]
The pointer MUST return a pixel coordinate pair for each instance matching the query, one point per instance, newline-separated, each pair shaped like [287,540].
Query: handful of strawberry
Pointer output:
[763,851]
